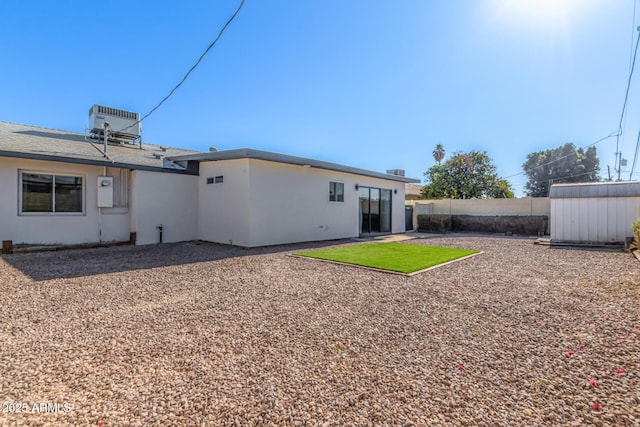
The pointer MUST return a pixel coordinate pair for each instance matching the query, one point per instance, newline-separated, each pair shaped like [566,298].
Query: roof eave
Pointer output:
[284,158]
[131,166]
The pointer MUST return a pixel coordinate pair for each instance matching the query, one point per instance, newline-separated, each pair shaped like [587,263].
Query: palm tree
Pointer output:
[438,153]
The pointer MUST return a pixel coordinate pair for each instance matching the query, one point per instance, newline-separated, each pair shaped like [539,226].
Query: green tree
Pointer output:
[562,164]
[465,176]
[438,153]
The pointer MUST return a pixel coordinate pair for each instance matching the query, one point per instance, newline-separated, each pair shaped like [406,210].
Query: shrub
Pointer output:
[636,231]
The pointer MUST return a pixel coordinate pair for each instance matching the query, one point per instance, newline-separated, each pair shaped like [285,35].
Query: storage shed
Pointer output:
[595,212]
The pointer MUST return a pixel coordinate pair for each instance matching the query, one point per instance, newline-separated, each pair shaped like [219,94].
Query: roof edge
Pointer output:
[581,190]
[248,153]
[44,157]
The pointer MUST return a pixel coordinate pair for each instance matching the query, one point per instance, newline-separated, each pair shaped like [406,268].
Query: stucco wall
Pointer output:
[290,203]
[479,207]
[224,208]
[258,203]
[56,228]
[164,198]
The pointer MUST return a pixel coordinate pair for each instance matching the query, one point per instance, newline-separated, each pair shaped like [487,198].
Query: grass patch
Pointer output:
[398,257]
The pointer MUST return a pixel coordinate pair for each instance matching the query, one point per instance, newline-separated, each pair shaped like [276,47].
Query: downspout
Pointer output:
[104,173]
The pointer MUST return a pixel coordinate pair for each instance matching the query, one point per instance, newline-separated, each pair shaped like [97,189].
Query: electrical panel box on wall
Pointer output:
[105,192]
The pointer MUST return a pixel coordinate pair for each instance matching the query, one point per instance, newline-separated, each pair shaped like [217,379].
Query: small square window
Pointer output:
[336,191]
[215,180]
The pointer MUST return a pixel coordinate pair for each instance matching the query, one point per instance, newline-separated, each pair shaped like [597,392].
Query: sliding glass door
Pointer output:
[385,211]
[375,210]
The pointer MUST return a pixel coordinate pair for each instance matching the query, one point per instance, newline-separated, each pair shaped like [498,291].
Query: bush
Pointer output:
[636,231]
[525,225]
[434,223]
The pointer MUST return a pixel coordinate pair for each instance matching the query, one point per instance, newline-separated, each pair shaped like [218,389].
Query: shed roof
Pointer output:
[248,153]
[595,189]
[31,142]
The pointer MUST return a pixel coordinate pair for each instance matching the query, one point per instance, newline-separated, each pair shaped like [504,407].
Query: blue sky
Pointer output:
[372,84]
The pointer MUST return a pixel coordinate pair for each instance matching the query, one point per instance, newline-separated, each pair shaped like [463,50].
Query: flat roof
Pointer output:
[595,189]
[38,143]
[248,153]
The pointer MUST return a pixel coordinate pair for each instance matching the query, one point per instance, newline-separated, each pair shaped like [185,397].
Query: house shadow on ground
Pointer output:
[72,263]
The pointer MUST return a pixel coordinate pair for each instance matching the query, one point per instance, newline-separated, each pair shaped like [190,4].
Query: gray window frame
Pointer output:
[53,212]
[336,183]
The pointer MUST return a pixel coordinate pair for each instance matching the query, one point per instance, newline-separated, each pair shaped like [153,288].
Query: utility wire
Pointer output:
[624,104]
[635,156]
[611,135]
[626,95]
[569,176]
[191,69]
[633,29]
[617,133]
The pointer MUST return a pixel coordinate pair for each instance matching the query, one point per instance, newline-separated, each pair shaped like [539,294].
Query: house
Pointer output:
[413,191]
[594,212]
[59,187]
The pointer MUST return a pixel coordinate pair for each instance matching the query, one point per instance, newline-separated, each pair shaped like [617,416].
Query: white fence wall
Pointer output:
[526,206]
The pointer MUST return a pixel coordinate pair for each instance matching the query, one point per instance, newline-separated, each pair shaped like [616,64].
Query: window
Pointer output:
[336,191]
[47,193]
[217,180]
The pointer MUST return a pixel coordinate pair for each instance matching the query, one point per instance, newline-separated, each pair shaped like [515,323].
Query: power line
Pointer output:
[569,176]
[633,29]
[611,135]
[624,104]
[617,133]
[635,156]
[191,69]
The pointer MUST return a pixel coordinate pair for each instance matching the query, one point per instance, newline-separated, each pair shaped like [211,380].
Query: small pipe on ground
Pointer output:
[160,230]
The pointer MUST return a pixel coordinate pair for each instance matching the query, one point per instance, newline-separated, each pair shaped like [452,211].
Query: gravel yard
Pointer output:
[204,334]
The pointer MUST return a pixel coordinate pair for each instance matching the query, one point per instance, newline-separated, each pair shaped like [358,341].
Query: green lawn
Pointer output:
[399,257]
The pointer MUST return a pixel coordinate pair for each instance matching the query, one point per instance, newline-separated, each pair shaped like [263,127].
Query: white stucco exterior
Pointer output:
[262,203]
[74,228]
[224,208]
[154,198]
[257,203]
[165,199]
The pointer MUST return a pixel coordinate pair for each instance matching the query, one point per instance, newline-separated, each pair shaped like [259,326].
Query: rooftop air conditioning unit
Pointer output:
[122,124]
[397,172]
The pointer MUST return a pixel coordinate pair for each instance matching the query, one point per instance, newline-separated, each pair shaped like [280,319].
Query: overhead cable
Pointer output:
[191,69]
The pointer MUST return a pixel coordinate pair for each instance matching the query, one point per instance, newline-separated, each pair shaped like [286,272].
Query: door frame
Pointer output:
[368,223]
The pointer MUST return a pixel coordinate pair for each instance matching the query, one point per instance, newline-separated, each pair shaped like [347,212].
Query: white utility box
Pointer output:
[105,192]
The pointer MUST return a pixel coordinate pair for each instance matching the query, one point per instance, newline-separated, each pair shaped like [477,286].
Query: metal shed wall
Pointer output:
[605,217]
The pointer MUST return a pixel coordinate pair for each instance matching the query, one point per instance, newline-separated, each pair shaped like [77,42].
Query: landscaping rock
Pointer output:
[205,334]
